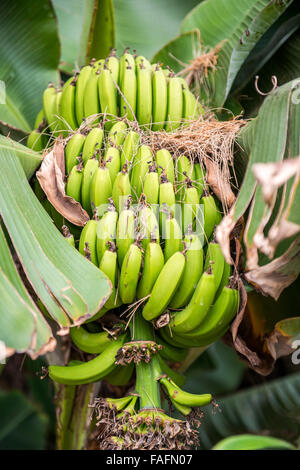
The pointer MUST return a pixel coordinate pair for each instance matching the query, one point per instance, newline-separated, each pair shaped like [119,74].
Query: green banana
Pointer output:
[191,214]
[130,273]
[173,237]
[67,106]
[140,168]
[209,214]
[159,98]
[144,92]
[35,140]
[167,200]
[121,190]
[108,95]
[191,106]
[182,397]
[215,260]
[113,65]
[183,409]
[130,148]
[100,189]
[113,162]
[153,264]
[171,354]
[184,169]
[81,84]
[128,86]
[50,107]
[197,309]
[73,150]
[217,319]
[92,143]
[40,119]
[90,371]
[106,231]
[88,172]
[109,266]
[73,186]
[91,104]
[175,104]
[120,376]
[225,278]
[87,241]
[92,343]
[165,286]
[165,164]
[125,232]
[151,185]
[117,134]
[192,272]
[148,225]
[199,178]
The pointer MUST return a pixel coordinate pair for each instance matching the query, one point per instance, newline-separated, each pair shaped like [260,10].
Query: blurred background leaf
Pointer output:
[250,442]
[22,426]
[86,30]
[145,26]
[29,58]
[269,409]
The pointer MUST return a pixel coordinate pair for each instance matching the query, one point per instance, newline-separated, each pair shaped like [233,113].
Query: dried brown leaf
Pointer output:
[51,178]
[272,278]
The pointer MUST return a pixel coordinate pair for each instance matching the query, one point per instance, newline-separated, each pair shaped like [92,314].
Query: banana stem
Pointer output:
[146,373]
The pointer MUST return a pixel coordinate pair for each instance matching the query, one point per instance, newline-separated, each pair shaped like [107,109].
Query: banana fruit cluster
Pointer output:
[152,234]
[128,87]
[151,231]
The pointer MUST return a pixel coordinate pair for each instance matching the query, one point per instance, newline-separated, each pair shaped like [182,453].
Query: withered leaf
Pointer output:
[272,278]
[51,178]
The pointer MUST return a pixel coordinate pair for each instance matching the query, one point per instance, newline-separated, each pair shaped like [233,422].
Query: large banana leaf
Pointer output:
[86,30]
[267,139]
[29,56]
[22,326]
[29,159]
[271,408]
[276,37]
[144,25]
[240,24]
[70,287]
[22,425]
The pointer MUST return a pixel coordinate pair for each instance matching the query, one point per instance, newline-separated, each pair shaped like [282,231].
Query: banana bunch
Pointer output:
[152,235]
[128,87]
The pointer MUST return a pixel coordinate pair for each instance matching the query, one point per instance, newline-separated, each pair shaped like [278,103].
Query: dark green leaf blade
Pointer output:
[25,68]
[58,273]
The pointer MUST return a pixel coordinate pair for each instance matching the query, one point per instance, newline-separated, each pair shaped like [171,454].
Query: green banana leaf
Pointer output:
[179,51]
[278,119]
[29,159]
[270,408]
[29,57]
[266,49]
[284,64]
[69,286]
[240,24]
[251,442]
[22,425]
[86,30]
[22,327]
[218,370]
[144,25]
